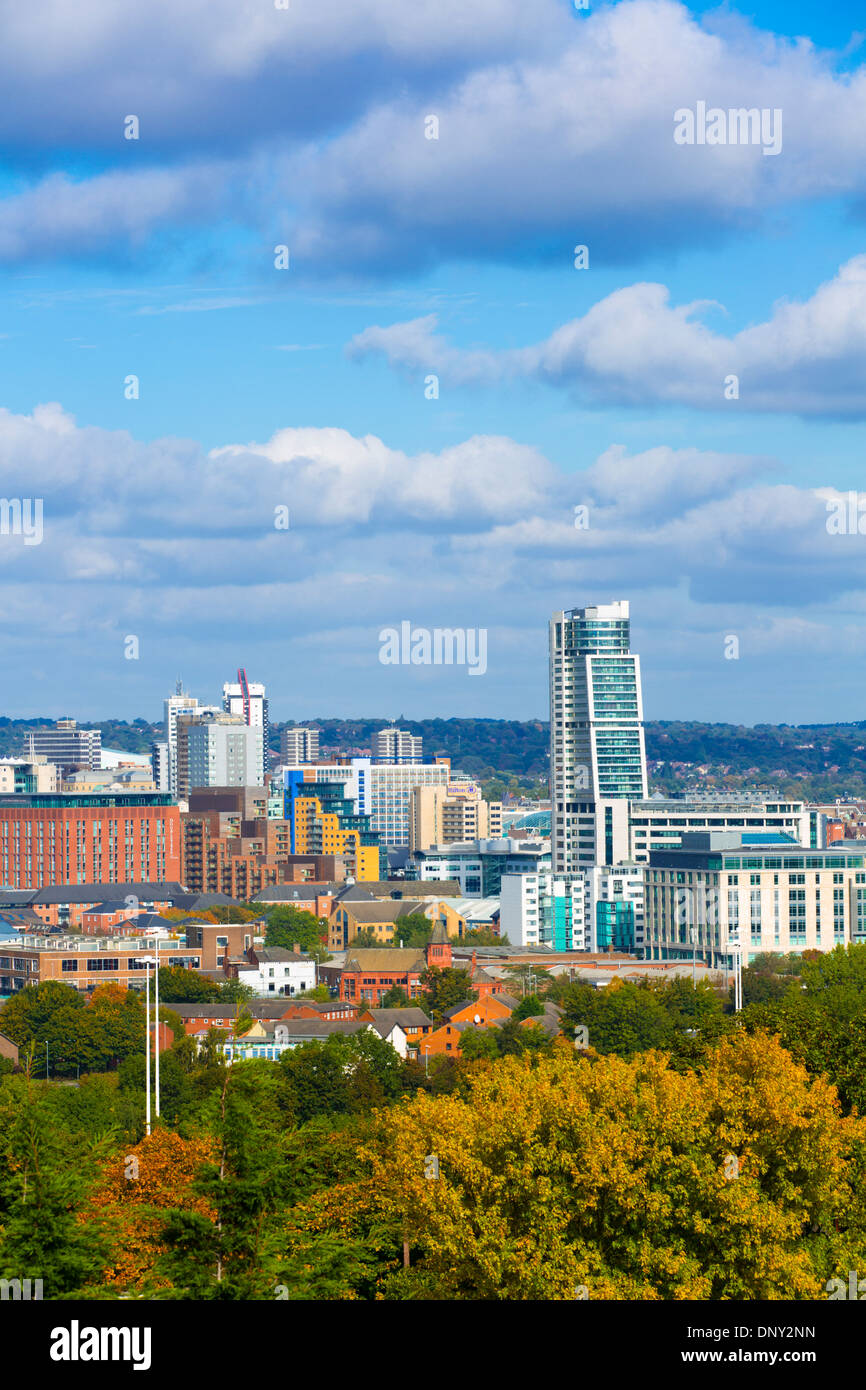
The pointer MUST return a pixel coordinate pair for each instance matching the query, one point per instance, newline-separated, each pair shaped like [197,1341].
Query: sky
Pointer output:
[311,355]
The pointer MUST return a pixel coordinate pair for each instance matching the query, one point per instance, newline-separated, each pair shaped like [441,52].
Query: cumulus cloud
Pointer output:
[209,73]
[178,546]
[635,348]
[321,122]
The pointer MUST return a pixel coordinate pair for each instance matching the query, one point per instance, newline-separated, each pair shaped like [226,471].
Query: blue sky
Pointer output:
[304,387]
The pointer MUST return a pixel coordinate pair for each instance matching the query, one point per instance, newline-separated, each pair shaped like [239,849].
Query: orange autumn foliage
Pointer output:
[166,1165]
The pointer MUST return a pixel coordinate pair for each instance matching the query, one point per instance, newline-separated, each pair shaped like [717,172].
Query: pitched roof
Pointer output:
[407,1018]
[355,892]
[457,1008]
[116,892]
[201,901]
[409,887]
[277,953]
[388,959]
[507,999]
[297,892]
[382,910]
[315,1027]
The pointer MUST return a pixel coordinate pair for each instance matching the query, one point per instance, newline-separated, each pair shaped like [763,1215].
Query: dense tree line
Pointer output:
[678,1151]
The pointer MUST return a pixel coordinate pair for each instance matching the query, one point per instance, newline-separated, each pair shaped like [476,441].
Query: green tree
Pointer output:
[414,929]
[26,1016]
[397,998]
[45,1170]
[530,1006]
[180,986]
[290,926]
[440,989]
[483,936]
[623,1018]
[234,992]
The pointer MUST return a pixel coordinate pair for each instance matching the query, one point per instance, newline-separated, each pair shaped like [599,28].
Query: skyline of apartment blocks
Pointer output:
[248,700]
[299,745]
[597,751]
[382,791]
[395,745]
[718,892]
[107,838]
[66,745]
[224,752]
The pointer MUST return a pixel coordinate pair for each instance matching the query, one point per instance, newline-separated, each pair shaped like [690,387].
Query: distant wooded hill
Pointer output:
[810,759]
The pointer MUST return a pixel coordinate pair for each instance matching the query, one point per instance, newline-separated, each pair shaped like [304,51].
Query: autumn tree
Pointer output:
[743,1181]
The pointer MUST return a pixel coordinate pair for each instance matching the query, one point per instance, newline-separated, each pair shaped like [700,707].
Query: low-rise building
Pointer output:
[379,919]
[85,962]
[269,1039]
[274,970]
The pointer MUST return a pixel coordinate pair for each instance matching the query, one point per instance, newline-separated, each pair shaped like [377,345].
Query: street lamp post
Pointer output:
[156,1011]
[147,961]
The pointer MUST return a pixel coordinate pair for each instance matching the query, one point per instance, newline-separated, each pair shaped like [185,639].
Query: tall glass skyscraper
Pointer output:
[597,752]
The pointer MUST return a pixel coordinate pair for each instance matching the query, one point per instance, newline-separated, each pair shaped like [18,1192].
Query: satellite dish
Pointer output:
[477,1018]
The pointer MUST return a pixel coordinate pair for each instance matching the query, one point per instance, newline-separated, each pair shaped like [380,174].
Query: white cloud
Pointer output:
[635,348]
[314,118]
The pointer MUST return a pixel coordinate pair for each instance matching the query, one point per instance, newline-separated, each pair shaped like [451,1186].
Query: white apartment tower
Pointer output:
[396,746]
[597,751]
[299,745]
[247,699]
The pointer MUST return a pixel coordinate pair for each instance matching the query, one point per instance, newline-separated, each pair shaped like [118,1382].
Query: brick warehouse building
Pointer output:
[50,839]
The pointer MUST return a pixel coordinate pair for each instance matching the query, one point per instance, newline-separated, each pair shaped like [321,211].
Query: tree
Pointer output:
[483,936]
[45,1170]
[396,998]
[320,993]
[530,1006]
[26,1017]
[622,1018]
[180,986]
[742,1181]
[290,926]
[156,1175]
[413,929]
[440,989]
[234,992]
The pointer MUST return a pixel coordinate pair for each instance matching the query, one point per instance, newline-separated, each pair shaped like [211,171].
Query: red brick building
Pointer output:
[49,839]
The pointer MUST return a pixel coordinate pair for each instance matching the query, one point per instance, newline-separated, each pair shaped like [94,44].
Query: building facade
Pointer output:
[717,896]
[299,745]
[109,838]
[248,701]
[479,866]
[24,775]
[396,746]
[597,750]
[66,745]
[444,815]
[85,962]
[224,752]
